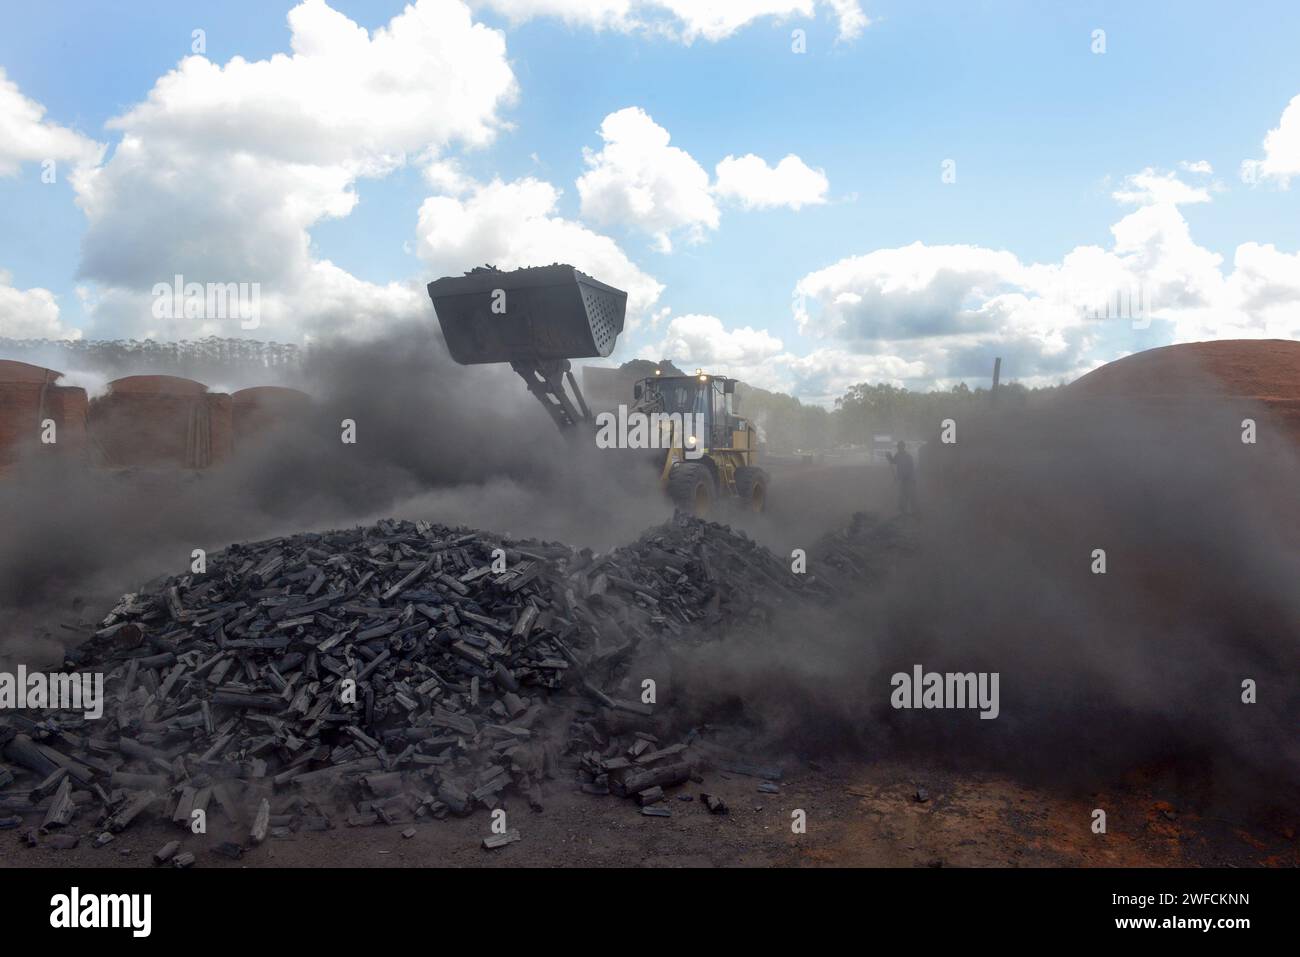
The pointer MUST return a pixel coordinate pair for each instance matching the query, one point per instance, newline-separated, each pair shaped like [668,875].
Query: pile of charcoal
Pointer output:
[379,675]
[862,553]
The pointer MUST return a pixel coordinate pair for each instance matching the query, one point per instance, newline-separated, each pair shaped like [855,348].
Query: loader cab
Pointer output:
[713,397]
[722,413]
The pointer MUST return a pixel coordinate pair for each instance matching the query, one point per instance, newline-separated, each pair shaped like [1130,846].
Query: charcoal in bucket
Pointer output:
[550,312]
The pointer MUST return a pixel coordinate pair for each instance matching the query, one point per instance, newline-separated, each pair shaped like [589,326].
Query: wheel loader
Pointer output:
[539,318]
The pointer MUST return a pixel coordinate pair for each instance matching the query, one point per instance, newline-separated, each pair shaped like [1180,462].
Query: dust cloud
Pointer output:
[434,440]
[1144,663]
[1099,673]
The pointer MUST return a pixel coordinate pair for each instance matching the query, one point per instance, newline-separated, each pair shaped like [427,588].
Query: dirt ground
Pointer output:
[858,815]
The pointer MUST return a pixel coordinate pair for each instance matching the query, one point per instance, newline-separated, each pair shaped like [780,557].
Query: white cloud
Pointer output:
[749,180]
[1281,151]
[909,292]
[596,14]
[718,19]
[27,137]
[446,176]
[347,307]
[705,342]
[638,178]
[510,225]
[682,20]
[1197,166]
[823,375]
[223,170]
[1152,186]
[757,357]
[30,313]
[931,315]
[1266,284]
[344,96]
[1154,247]
[852,19]
[323,302]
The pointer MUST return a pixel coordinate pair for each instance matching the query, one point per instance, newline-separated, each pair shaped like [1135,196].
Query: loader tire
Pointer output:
[690,486]
[751,489]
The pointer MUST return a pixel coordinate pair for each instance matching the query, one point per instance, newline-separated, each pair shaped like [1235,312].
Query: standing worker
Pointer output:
[905,474]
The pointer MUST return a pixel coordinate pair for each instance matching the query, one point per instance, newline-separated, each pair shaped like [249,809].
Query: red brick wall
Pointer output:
[21,414]
[157,430]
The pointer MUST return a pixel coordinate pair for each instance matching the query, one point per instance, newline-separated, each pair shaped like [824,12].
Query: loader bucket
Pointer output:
[541,313]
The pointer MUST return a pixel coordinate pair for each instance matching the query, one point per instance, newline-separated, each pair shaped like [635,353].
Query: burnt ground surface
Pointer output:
[859,815]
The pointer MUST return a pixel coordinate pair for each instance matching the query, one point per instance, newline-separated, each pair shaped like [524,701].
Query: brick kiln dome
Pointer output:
[1249,368]
[11,370]
[29,396]
[161,421]
[1256,373]
[156,385]
[270,395]
[262,407]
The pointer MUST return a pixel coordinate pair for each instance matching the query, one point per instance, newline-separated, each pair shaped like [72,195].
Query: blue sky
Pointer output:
[1042,131]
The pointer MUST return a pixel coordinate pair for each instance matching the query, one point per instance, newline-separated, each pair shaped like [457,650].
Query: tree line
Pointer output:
[206,360]
[867,410]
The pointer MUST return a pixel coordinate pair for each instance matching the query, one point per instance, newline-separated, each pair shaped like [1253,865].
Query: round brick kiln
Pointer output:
[29,396]
[261,408]
[1156,423]
[1246,373]
[159,421]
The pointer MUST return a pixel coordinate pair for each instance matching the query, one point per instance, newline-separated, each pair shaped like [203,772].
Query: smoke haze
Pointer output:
[435,440]
[1144,663]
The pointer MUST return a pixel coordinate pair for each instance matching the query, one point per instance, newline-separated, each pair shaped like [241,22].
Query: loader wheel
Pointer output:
[690,486]
[751,488]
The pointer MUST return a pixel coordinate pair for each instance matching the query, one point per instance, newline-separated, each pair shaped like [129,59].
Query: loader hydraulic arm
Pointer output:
[545,379]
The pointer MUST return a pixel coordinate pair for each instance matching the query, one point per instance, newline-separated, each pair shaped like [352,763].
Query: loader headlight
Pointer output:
[690,440]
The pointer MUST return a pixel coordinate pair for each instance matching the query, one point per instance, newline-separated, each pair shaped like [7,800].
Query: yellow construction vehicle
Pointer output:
[539,318]
[720,462]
